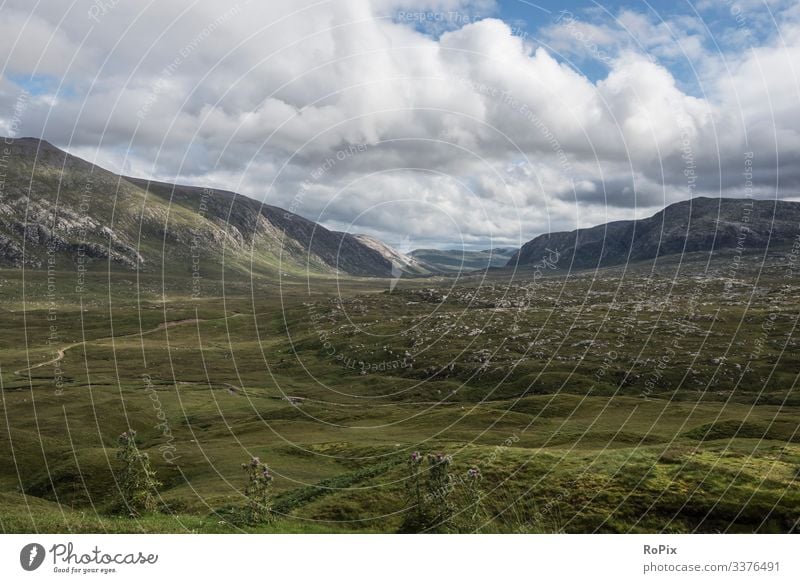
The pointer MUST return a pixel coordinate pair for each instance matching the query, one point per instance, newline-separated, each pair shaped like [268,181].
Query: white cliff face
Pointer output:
[398,259]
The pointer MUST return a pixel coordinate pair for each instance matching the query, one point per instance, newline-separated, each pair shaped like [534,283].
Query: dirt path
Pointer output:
[61,352]
[170,324]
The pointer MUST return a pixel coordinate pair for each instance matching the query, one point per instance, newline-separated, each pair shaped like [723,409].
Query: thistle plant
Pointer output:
[257,491]
[428,502]
[439,488]
[137,480]
[415,503]
[472,512]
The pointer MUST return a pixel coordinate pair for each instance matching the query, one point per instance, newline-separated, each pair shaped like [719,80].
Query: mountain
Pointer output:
[59,209]
[401,262]
[700,224]
[456,260]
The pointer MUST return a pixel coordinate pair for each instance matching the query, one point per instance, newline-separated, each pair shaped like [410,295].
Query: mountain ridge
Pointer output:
[701,224]
[55,204]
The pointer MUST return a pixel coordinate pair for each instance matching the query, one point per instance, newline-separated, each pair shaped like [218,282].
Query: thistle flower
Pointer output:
[440,458]
[416,457]
[473,473]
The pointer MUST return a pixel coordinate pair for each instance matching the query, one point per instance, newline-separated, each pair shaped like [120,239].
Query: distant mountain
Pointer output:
[55,205]
[700,224]
[455,260]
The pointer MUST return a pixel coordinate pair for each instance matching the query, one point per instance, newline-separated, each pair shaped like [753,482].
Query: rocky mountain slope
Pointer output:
[58,209]
[402,262]
[700,224]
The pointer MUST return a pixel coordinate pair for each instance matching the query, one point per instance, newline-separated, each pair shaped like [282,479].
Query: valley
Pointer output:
[643,398]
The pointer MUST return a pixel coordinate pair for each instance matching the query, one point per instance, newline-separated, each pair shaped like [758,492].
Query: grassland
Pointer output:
[637,399]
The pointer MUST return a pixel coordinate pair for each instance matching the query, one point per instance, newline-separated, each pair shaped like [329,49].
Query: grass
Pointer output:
[645,399]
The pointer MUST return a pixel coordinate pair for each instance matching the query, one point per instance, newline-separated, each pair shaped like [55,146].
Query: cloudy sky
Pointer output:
[426,123]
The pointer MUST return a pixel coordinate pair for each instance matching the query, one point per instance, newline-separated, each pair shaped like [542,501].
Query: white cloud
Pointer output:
[472,134]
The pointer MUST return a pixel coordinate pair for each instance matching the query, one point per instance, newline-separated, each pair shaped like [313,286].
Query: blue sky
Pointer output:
[714,21]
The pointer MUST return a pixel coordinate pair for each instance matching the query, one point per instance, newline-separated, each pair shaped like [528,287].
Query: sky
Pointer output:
[430,123]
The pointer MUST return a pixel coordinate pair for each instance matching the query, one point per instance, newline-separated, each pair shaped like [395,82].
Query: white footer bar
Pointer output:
[390,558]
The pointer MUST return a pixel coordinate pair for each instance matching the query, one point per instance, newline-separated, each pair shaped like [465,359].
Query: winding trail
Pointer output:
[62,352]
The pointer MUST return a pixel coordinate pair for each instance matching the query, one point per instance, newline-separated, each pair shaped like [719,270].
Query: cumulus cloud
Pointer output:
[428,119]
